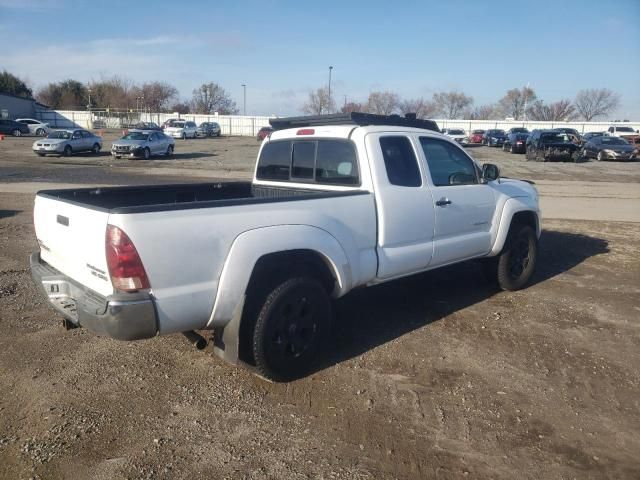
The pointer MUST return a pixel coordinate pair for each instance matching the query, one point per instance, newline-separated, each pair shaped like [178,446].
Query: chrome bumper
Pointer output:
[123,316]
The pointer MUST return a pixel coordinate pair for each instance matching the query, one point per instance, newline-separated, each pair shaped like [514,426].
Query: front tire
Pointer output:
[146,153]
[517,262]
[41,132]
[169,151]
[291,328]
[96,149]
[67,151]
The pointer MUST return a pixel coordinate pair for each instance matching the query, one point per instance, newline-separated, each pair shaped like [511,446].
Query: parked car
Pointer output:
[457,134]
[208,129]
[609,148]
[11,127]
[550,145]
[143,144]
[169,123]
[148,126]
[36,127]
[516,142]
[494,138]
[263,133]
[589,135]
[572,132]
[67,142]
[476,136]
[181,129]
[260,262]
[626,132]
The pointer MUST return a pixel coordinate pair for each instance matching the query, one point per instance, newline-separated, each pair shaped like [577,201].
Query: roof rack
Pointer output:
[353,118]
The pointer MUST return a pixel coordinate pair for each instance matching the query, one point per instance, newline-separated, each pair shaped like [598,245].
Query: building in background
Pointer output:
[12,106]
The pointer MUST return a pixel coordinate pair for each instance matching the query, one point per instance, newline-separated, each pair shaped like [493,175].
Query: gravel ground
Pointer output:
[433,376]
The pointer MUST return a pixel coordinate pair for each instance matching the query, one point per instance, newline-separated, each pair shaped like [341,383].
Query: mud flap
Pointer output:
[226,340]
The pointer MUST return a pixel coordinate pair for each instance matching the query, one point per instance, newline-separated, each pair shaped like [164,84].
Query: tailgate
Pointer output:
[72,240]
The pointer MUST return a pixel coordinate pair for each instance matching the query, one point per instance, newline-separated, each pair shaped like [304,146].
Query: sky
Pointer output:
[282,50]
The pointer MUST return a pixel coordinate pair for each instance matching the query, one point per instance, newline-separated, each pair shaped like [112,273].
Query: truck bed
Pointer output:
[155,198]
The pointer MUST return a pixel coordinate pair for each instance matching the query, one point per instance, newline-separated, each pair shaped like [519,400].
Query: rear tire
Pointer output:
[41,132]
[517,262]
[600,156]
[16,133]
[96,148]
[169,151]
[291,328]
[146,153]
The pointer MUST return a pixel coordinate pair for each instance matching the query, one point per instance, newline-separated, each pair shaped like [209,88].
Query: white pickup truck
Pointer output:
[337,202]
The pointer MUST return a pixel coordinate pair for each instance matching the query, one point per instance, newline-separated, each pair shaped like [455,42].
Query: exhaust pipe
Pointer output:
[196,339]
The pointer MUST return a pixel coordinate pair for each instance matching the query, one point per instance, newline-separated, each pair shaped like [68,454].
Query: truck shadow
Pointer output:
[9,213]
[370,317]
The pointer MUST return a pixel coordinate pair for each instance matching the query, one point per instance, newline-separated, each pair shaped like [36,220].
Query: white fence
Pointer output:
[582,127]
[249,125]
[230,124]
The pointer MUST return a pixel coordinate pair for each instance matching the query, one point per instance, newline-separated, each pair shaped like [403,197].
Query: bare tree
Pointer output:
[382,103]
[515,101]
[319,102]
[421,107]
[596,102]
[452,104]
[352,107]
[112,92]
[180,107]
[562,110]
[157,96]
[65,95]
[483,112]
[211,97]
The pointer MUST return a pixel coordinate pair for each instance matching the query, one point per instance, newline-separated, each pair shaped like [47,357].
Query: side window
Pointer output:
[302,163]
[274,162]
[447,164]
[86,134]
[77,134]
[336,163]
[400,161]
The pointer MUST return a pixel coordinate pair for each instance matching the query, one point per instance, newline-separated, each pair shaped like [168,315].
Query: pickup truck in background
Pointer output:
[337,202]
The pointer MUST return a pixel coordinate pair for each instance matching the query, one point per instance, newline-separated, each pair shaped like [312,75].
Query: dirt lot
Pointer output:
[434,376]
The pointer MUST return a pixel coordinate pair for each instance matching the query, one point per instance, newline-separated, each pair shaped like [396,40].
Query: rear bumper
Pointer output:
[123,316]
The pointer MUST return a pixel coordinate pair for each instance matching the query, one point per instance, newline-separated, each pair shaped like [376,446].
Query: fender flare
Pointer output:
[511,207]
[252,245]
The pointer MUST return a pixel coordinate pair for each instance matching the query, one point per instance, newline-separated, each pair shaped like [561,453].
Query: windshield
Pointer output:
[559,137]
[519,130]
[178,124]
[135,136]
[613,141]
[496,132]
[478,132]
[625,129]
[456,132]
[59,134]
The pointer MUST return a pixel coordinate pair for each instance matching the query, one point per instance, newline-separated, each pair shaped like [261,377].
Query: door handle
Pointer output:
[442,202]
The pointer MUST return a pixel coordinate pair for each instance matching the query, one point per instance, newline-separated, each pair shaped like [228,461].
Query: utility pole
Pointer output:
[329,102]
[244,109]
[526,95]
[345,100]
[89,106]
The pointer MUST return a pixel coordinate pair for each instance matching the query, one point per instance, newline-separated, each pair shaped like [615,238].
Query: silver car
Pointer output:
[67,142]
[36,127]
[143,144]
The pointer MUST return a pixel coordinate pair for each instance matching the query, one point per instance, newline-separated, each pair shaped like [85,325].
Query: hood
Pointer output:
[516,188]
[173,129]
[619,148]
[128,143]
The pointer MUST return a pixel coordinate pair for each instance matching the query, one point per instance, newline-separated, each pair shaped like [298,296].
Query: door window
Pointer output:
[400,161]
[447,163]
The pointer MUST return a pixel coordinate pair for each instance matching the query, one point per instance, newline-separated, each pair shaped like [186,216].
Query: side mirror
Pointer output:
[490,172]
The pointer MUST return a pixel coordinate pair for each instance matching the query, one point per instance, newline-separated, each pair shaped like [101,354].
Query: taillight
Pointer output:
[306,131]
[125,267]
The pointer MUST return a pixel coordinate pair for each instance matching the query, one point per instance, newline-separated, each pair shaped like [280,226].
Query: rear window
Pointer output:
[331,162]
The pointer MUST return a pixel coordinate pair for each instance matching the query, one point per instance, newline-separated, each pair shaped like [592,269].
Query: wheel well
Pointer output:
[269,271]
[525,218]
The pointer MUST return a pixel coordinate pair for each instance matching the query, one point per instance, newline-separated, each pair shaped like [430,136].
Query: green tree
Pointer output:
[9,83]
